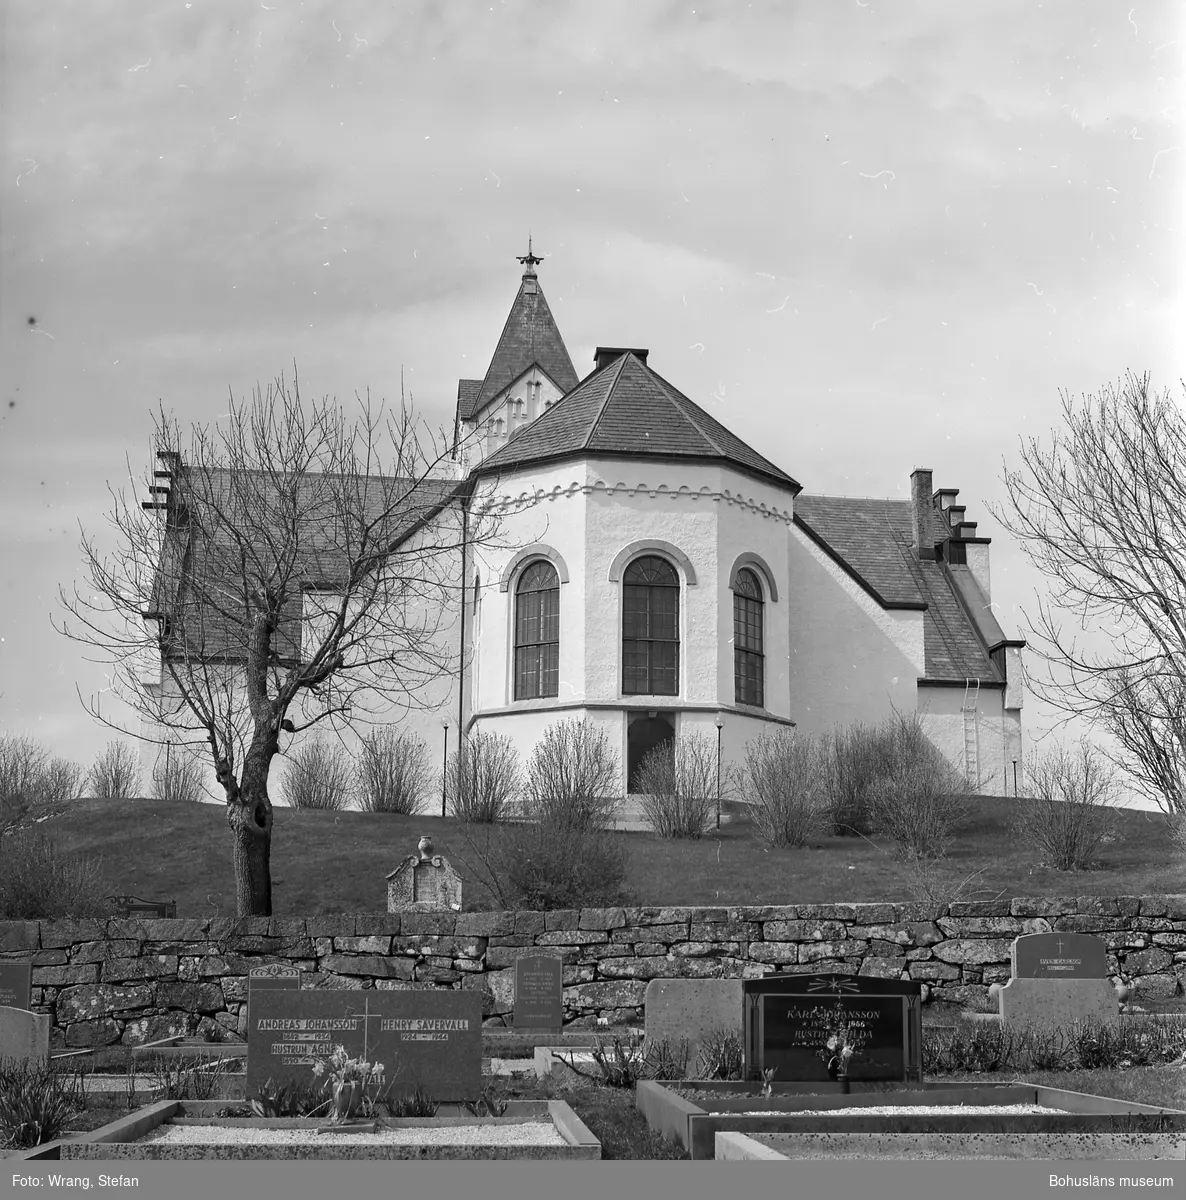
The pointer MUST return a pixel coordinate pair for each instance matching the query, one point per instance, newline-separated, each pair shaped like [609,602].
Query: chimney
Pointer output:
[604,355]
[921,513]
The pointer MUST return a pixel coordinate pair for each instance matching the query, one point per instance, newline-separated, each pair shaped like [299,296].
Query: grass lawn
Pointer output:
[337,862]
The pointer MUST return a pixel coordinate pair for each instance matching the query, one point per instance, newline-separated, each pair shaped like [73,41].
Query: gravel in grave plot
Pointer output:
[517,1133]
[897,1110]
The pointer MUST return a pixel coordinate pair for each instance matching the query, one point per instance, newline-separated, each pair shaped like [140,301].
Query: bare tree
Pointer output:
[305,574]
[1101,512]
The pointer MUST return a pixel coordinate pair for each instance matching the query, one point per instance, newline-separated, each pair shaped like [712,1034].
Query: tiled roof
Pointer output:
[530,337]
[873,540]
[467,397]
[627,409]
[228,534]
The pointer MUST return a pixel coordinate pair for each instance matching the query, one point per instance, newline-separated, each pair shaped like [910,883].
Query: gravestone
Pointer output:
[675,1009]
[539,992]
[429,1038]
[424,882]
[788,1019]
[16,983]
[273,977]
[1058,979]
[24,1036]
[133,906]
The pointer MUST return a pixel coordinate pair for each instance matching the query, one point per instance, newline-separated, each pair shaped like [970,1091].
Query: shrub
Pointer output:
[60,780]
[789,781]
[678,787]
[177,777]
[552,864]
[918,801]
[36,881]
[22,763]
[318,776]
[1068,809]
[36,1102]
[860,756]
[393,772]
[181,1079]
[721,1055]
[115,774]
[482,778]
[297,1098]
[573,776]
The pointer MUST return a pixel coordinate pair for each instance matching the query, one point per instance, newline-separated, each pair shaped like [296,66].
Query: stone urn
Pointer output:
[424,845]
[1123,991]
[347,1097]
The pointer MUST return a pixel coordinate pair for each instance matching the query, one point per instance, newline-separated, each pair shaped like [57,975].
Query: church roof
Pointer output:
[873,541]
[625,408]
[529,338]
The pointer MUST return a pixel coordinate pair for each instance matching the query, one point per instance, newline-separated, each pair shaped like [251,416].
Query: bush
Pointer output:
[678,787]
[1068,809]
[721,1055]
[36,1102]
[22,762]
[552,864]
[393,772]
[61,780]
[860,756]
[573,777]
[318,776]
[789,781]
[483,778]
[36,881]
[177,777]
[115,774]
[918,801]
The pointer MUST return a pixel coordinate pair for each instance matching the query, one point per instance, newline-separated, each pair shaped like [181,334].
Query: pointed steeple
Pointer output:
[529,338]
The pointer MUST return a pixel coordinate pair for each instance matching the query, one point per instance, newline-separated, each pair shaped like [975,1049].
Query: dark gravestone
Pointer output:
[539,992]
[1059,956]
[16,981]
[274,977]
[425,1038]
[133,906]
[788,1019]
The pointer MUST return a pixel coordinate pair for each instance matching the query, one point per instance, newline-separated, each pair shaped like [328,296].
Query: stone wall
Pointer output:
[132,980]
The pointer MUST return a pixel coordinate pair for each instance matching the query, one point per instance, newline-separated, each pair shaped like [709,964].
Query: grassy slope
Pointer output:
[327,862]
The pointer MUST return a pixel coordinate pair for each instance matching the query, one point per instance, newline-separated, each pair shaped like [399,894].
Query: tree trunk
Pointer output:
[249,814]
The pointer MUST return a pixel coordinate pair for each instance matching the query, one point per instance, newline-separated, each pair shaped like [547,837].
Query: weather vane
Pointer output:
[529,260]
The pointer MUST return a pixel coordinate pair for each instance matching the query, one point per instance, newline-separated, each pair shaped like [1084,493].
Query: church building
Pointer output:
[662,577]
[651,573]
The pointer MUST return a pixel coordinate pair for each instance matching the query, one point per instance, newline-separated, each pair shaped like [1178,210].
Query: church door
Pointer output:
[642,736]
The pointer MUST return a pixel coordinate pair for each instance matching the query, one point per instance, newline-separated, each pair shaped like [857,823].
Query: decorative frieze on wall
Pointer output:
[132,981]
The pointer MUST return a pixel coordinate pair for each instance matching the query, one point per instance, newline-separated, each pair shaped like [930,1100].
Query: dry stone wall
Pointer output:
[131,980]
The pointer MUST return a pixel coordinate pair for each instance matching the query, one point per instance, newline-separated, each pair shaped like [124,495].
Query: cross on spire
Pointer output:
[529,259]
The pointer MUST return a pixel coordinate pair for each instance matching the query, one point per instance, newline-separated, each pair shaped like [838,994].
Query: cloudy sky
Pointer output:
[867,236]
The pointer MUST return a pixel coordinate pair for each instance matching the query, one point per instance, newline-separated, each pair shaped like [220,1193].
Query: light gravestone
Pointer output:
[424,882]
[539,992]
[426,1038]
[789,1018]
[1058,978]
[16,984]
[691,1009]
[24,1036]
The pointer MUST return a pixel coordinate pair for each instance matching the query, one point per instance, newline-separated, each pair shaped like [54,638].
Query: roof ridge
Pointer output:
[505,326]
[669,389]
[620,364]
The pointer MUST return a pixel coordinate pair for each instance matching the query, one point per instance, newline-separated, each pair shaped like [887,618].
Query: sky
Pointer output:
[868,237]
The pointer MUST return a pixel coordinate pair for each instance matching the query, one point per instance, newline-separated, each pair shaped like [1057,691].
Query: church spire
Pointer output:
[529,260]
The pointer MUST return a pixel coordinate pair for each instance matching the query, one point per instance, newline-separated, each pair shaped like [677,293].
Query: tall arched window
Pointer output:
[748,661]
[537,632]
[650,628]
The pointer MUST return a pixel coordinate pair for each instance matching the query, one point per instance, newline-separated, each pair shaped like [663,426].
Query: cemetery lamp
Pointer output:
[720,726]
[444,766]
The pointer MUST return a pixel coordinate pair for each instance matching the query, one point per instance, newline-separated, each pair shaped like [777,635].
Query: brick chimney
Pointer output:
[922,508]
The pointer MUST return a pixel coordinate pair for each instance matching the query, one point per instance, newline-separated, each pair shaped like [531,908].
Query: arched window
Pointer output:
[537,632]
[748,661]
[650,628]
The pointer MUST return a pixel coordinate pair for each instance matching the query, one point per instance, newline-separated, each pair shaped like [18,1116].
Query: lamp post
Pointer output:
[444,767]
[720,726]
[1015,779]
